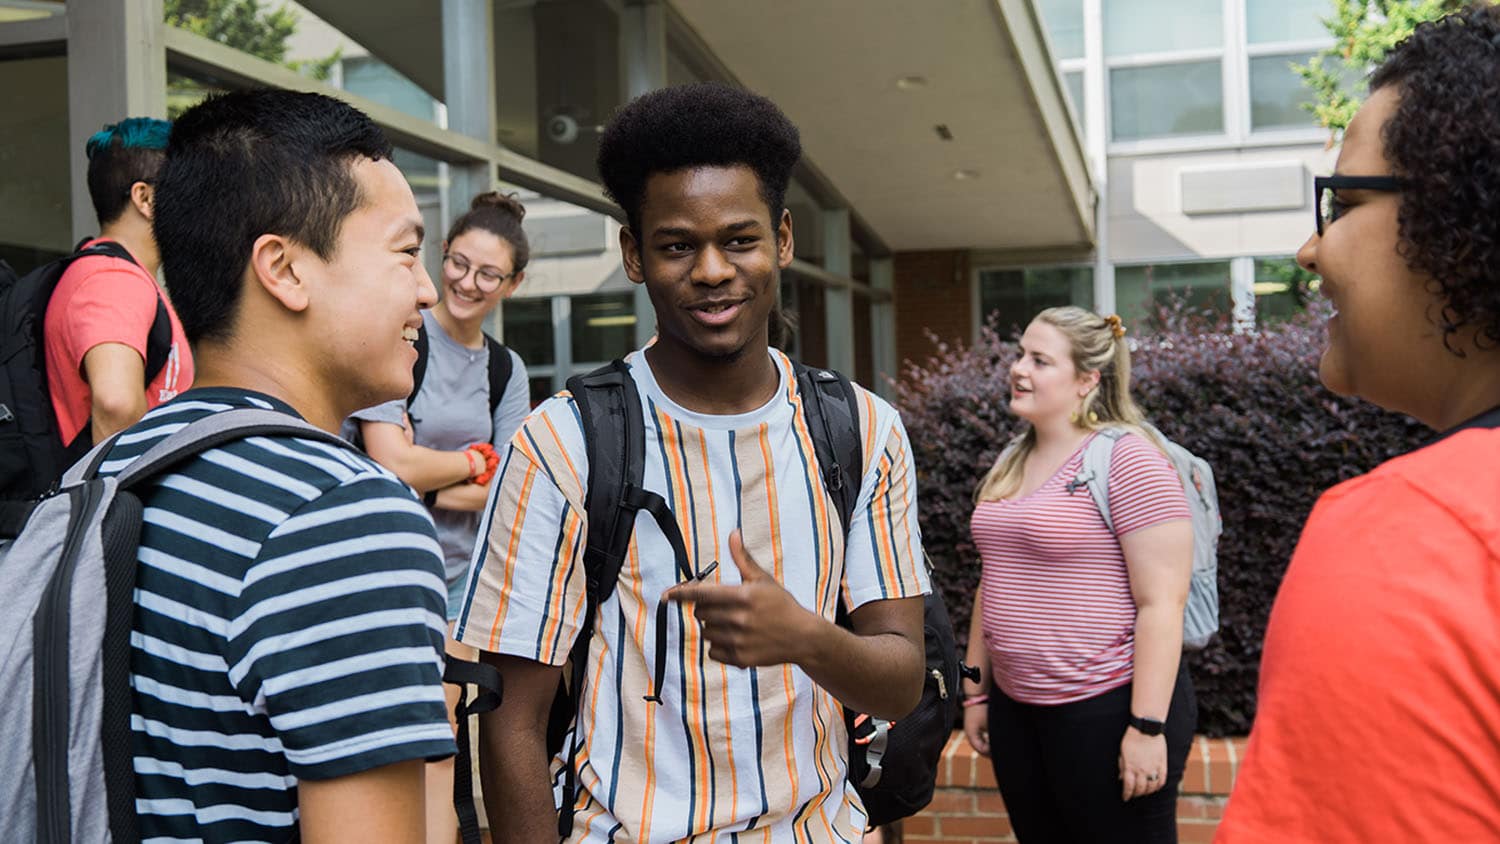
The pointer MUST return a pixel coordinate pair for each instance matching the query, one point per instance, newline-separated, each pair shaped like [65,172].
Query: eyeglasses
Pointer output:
[485,278]
[1329,208]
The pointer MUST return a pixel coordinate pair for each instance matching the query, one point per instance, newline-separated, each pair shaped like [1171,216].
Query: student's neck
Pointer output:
[235,365]
[1471,388]
[468,332]
[1057,435]
[715,386]
[134,233]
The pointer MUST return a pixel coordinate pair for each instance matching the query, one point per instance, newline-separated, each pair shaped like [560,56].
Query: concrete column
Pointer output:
[883,326]
[1242,292]
[469,93]
[117,68]
[643,68]
[1096,141]
[838,314]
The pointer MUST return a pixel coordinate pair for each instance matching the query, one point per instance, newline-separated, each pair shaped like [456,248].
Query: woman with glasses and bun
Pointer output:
[1378,712]
[1084,705]
[443,441]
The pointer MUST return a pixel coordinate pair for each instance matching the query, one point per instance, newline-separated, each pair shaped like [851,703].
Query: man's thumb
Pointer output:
[749,569]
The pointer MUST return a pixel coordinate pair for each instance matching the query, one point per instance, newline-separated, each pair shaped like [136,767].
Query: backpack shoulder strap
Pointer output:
[500,369]
[419,369]
[830,405]
[208,432]
[614,436]
[1094,473]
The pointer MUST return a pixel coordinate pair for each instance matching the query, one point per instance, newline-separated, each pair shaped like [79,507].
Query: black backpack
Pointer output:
[33,456]
[894,766]
[500,369]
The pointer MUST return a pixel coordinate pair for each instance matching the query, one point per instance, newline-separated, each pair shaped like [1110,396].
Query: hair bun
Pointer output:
[507,202]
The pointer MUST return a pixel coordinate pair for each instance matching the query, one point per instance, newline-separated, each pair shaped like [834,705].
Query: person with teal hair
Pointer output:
[114,345]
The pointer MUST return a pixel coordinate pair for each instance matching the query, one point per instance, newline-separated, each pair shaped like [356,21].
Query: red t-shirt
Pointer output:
[1379,702]
[100,299]
[1058,613]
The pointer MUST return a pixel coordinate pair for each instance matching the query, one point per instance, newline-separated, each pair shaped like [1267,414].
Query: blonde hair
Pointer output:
[1096,343]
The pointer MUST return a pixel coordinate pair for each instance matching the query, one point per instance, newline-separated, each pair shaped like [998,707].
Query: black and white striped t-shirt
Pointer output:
[289,626]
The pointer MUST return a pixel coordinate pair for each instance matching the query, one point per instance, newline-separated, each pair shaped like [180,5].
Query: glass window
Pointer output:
[528,330]
[378,82]
[1073,83]
[603,327]
[1160,101]
[541,389]
[36,223]
[1282,289]
[1064,22]
[1277,93]
[1132,27]
[1012,297]
[1269,21]
[1140,290]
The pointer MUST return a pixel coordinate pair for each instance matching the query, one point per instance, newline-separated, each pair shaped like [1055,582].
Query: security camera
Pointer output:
[562,129]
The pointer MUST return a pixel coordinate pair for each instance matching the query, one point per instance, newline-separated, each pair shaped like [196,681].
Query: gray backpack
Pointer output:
[69,579]
[1201,618]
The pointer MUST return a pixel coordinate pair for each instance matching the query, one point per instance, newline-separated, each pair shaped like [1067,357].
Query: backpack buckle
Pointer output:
[5,414]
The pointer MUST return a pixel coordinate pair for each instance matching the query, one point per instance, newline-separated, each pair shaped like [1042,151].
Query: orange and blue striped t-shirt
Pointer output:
[755,751]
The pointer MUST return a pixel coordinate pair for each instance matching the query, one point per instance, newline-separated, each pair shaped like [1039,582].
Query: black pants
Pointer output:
[1058,768]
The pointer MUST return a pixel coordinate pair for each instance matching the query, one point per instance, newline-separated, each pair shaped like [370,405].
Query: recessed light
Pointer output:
[965,175]
[911,83]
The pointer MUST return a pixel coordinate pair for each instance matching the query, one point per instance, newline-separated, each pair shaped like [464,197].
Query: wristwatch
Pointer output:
[1147,726]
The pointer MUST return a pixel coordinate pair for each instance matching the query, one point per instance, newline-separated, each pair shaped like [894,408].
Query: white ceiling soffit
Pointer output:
[833,67]
[407,36]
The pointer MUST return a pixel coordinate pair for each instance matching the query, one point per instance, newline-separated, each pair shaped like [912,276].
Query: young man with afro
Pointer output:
[743,732]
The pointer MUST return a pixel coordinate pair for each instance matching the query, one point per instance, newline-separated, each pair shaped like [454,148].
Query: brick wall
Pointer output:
[931,293]
[967,808]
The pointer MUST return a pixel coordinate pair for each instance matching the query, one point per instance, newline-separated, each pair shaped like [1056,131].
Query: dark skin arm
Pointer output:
[876,668]
[513,752]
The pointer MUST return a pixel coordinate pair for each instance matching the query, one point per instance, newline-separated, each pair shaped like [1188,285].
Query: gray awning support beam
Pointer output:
[116,69]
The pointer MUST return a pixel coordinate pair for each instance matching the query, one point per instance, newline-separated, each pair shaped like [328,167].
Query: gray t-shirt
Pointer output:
[450,412]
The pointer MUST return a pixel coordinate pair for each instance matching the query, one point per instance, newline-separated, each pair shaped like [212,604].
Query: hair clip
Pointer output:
[1116,325]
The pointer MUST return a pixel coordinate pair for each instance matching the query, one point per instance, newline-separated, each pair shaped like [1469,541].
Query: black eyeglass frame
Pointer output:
[1334,183]
[479,273]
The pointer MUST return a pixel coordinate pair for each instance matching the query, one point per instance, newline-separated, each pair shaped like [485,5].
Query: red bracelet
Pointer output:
[975,700]
[469,456]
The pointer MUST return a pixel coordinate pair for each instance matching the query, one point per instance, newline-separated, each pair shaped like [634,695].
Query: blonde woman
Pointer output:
[1084,706]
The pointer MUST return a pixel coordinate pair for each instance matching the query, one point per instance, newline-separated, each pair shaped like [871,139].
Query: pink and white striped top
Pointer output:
[1058,616]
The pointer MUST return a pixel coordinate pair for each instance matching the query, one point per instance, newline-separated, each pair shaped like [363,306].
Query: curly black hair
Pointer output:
[704,124]
[1443,142]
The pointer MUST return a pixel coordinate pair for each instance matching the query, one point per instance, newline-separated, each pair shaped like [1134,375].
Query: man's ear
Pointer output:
[785,249]
[630,256]
[273,265]
[143,198]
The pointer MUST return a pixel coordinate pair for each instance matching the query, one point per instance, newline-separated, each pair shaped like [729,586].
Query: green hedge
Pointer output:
[1250,404]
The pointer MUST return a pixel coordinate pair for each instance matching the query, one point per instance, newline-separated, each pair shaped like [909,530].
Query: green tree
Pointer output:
[1363,31]
[246,25]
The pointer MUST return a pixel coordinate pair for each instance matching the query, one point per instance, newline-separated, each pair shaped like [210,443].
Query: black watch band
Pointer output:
[1147,726]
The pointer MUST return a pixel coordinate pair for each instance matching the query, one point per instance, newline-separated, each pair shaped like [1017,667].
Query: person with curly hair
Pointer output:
[710,707]
[1379,702]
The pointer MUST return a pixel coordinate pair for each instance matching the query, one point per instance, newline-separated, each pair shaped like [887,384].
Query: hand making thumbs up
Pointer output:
[753,623]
